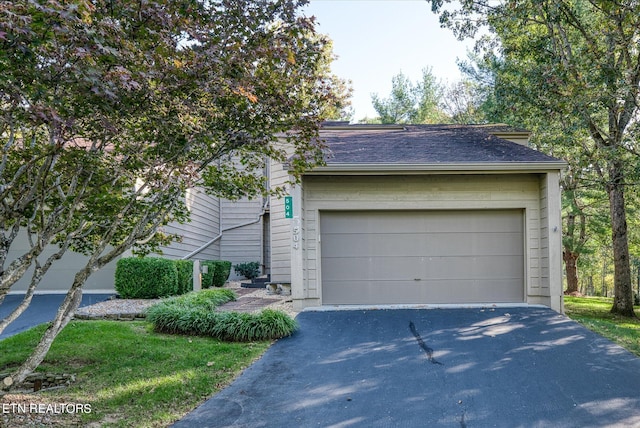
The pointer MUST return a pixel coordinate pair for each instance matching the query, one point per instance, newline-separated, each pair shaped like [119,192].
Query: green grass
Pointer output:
[594,313]
[130,375]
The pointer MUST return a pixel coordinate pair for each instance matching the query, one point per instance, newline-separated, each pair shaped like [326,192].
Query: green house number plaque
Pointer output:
[288,207]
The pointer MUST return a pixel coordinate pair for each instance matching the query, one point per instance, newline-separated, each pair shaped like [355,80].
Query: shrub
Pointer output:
[249,270]
[208,299]
[218,273]
[207,278]
[223,270]
[146,278]
[194,313]
[185,275]
[267,324]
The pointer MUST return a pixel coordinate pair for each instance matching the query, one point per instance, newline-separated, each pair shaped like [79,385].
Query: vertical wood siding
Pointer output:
[280,229]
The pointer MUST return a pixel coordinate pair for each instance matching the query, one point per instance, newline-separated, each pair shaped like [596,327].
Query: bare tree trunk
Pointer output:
[623,290]
[38,273]
[571,266]
[64,315]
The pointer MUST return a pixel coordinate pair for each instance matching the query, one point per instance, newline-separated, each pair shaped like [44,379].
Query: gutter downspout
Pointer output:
[237,226]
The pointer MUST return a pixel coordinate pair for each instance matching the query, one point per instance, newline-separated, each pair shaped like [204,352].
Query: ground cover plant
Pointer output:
[130,375]
[194,314]
[595,314]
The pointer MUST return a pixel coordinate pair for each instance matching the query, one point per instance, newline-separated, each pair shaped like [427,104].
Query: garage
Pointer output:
[422,256]
[422,214]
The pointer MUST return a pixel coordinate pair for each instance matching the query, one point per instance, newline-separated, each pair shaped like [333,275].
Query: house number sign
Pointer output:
[295,233]
[288,207]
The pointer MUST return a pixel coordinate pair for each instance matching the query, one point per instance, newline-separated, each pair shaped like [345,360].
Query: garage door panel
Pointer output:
[409,222]
[378,257]
[398,268]
[408,292]
[425,244]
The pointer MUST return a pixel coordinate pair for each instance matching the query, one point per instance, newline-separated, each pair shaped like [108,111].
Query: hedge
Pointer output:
[146,278]
[223,270]
[218,273]
[185,275]
[153,277]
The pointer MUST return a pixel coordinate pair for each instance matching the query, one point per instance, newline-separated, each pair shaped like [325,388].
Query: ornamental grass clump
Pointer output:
[195,314]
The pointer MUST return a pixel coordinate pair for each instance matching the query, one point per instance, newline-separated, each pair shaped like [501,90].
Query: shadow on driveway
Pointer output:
[508,367]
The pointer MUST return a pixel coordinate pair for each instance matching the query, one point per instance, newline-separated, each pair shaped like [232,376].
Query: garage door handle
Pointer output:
[417,279]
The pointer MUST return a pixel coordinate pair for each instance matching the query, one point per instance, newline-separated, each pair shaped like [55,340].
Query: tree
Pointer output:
[110,111]
[411,103]
[462,102]
[580,59]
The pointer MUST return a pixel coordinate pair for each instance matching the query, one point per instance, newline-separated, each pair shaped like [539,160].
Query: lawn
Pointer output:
[129,375]
[593,313]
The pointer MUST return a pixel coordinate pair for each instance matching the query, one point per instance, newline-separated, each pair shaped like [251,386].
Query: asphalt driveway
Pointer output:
[43,308]
[515,367]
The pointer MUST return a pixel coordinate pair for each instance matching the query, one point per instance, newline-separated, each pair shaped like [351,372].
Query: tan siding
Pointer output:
[204,225]
[423,192]
[60,276]
[280,229]
[243,244]
[544,237]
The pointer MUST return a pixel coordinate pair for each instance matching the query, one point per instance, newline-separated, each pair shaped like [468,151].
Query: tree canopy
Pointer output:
[411,102]
[578,61]
[109,111]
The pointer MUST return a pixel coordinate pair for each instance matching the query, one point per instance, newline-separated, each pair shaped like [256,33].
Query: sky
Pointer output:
[376,39]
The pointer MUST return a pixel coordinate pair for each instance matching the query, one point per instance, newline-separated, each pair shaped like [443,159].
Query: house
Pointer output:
[422,214]
[411,214]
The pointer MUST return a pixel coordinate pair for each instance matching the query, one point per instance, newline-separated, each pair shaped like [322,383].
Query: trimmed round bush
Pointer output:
[146,278]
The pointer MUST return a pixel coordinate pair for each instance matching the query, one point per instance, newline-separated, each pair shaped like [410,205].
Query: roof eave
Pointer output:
[472,167]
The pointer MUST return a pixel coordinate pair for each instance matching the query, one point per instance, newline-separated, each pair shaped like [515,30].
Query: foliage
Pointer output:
[146,278]
[111,111]
[267,324]
[131,376]
[208,299]
[462,102]
[573,64]
[249,270]
[194,314]
[223,270]
[411,103]
[185,275]
[207,278]
[217,273]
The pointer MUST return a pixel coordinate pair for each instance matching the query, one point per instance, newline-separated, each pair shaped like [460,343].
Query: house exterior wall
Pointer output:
[280,228]
[242,244]
[424,192]
[60,276]
[204,225]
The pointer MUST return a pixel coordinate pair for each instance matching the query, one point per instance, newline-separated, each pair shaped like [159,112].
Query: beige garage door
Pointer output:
[393,257]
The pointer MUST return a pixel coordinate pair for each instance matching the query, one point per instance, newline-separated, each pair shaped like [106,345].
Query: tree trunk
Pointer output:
[571,267]
[65,314]
[622,288]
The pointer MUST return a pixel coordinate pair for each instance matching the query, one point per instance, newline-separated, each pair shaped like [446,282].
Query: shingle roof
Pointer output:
[426,144]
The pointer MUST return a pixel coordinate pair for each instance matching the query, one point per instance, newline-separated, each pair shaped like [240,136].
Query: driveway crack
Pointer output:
[423,345]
